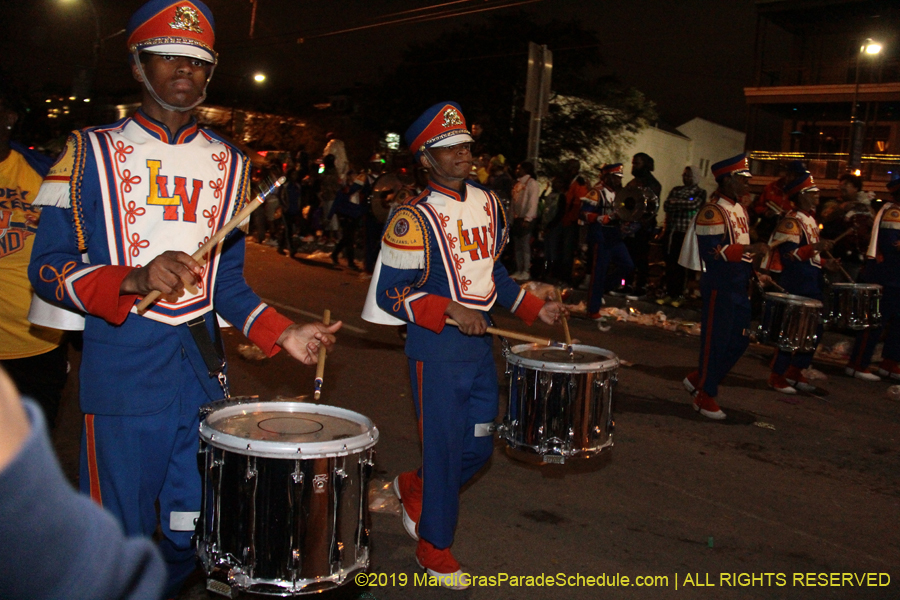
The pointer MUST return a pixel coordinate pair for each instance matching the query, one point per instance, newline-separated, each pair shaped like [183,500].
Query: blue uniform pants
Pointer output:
[605,253]
[450,399]
[128,463]
[867,339]
[723,336]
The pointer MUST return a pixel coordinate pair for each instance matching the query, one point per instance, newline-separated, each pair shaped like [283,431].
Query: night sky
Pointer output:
[691,58]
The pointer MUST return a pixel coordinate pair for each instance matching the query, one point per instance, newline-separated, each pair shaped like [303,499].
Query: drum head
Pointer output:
[582,359]
[792,299]
[288,430]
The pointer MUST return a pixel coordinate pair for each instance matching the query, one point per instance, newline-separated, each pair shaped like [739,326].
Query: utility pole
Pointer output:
[537,94]
[252,17]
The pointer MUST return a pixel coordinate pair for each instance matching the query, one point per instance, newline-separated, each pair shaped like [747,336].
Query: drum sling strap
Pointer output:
[212,351]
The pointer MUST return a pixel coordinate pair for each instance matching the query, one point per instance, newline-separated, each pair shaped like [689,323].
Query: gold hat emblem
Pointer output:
[187,19]
[452,117]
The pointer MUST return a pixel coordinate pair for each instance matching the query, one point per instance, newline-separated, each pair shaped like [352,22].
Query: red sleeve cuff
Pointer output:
[429,311]
[529,308]
[734,252]
[266,330]
[98,292]
[805,252]
[590,217]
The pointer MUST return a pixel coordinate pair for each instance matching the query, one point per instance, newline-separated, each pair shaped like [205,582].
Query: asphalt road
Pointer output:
[781,500]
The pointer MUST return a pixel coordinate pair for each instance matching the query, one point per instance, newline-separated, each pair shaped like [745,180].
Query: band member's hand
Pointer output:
[470,322]
[168,273]
[14,426]
[765,279]
[823,246]
[758,248]
[303,341]
[551,312]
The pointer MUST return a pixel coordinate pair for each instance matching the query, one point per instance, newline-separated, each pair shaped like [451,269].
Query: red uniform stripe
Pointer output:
[93,474]
[419,367]
[704,363]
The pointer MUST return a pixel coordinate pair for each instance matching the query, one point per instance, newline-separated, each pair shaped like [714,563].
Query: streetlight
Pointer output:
[259,77]
[857,127]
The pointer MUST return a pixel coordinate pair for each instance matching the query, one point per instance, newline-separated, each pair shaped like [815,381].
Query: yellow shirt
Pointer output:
[19,185]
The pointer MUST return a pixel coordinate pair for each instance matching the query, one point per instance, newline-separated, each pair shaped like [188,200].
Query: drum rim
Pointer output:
[289,450]
[845,285]
[609,364]
[794,299]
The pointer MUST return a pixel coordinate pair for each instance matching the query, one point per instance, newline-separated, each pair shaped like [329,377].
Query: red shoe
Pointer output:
[692,382]
[889,368]
[408,488]
[794,376]
[441,564]
[779,384]
[706,406]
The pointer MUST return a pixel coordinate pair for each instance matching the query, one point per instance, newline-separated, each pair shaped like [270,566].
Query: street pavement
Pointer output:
[787,498]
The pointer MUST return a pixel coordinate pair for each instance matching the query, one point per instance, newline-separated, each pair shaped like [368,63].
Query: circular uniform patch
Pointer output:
[401,227]
[709,214]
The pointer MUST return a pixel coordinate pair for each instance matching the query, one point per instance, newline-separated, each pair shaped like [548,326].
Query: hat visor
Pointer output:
[742,173]
[459,138]
[182,50]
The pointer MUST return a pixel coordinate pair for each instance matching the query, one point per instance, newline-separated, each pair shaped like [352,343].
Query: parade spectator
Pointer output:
[144,376]
[329,185]
[577,188]
[34,356]
[641,233]
[452,370]
[290,198]
[525,196]
[500,181]
[349,209]
[57,543]
[680,207]
[551,225]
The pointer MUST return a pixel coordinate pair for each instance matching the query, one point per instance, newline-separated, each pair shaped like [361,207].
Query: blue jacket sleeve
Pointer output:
[58,544]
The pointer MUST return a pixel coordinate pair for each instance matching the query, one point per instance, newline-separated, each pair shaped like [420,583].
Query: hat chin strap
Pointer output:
[166,105]
[437,168]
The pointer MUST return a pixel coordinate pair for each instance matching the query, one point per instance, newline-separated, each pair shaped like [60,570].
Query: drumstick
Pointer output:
[775,208]
[840,237]
[201,255]
[846,274]
[513,335]
[320,366]
[565,322]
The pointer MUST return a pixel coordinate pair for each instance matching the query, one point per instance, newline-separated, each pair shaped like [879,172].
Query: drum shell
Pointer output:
[284,526]
[853,306]
[790,323]
[558,410]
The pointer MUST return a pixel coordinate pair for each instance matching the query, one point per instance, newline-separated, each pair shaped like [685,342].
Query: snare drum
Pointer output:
[789,323]
[284,508]
[560,404]
[854,306]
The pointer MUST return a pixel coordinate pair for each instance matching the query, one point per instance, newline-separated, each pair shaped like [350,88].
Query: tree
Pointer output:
[483,67]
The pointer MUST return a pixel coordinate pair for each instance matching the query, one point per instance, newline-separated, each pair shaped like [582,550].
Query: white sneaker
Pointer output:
[864,375]
[802,385]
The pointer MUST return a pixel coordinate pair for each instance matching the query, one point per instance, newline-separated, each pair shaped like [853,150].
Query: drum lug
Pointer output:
[251,468]
[297,475]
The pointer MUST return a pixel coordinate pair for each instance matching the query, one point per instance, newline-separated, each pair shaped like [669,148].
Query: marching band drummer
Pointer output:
[882,267]
[722,231]
[797,259]
[124,207]
[604,234]
[440,257]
